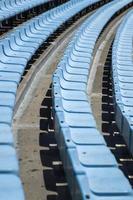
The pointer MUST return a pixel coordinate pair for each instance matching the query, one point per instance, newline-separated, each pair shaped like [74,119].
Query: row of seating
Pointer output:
[11,8]
[122,73]
[92,170]
[16,49]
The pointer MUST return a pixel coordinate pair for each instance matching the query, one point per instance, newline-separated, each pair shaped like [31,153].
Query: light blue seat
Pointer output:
[6,116]
[117,184]
[100,181]
[82,148]
[86,136]
[16,43]
[92,156]
[12,185]
[9,9]
[22,40]
[8,160]
[71,106]
[77,119]
[68,85]
[125,73]
[14,53]
[122,78]
[10,59]
[68,94]
[71,137]
[75,68]
[82,185]
[68,76]
[8,86]
[16,68]
[121,66]
[8,76]
[82,159]
[7,99]
[126,93]
[17,48]
[6,136]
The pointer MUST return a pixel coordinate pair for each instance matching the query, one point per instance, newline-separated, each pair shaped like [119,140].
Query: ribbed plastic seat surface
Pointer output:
[92,170]
[8,159]
[123,78]
[16,50]
[11,8]
[6,136]
[12,185]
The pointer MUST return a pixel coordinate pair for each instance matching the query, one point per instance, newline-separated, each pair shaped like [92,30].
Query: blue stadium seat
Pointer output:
[16,49]
[8,160]
[10,187]
[6,116]
[6,136]
[122,78]
[12,8]
[92,170]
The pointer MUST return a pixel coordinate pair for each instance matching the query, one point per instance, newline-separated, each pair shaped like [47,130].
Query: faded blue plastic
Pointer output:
[16,49]
[122,71]
[10,8]
[92,170]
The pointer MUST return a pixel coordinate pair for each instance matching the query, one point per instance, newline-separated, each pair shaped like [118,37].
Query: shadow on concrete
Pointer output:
[109,127]
[53,173]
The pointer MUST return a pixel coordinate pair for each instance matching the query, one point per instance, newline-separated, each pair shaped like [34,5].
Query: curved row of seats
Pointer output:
[92,170]
[11,8]
[16,49]
[122,69]
[19,46]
